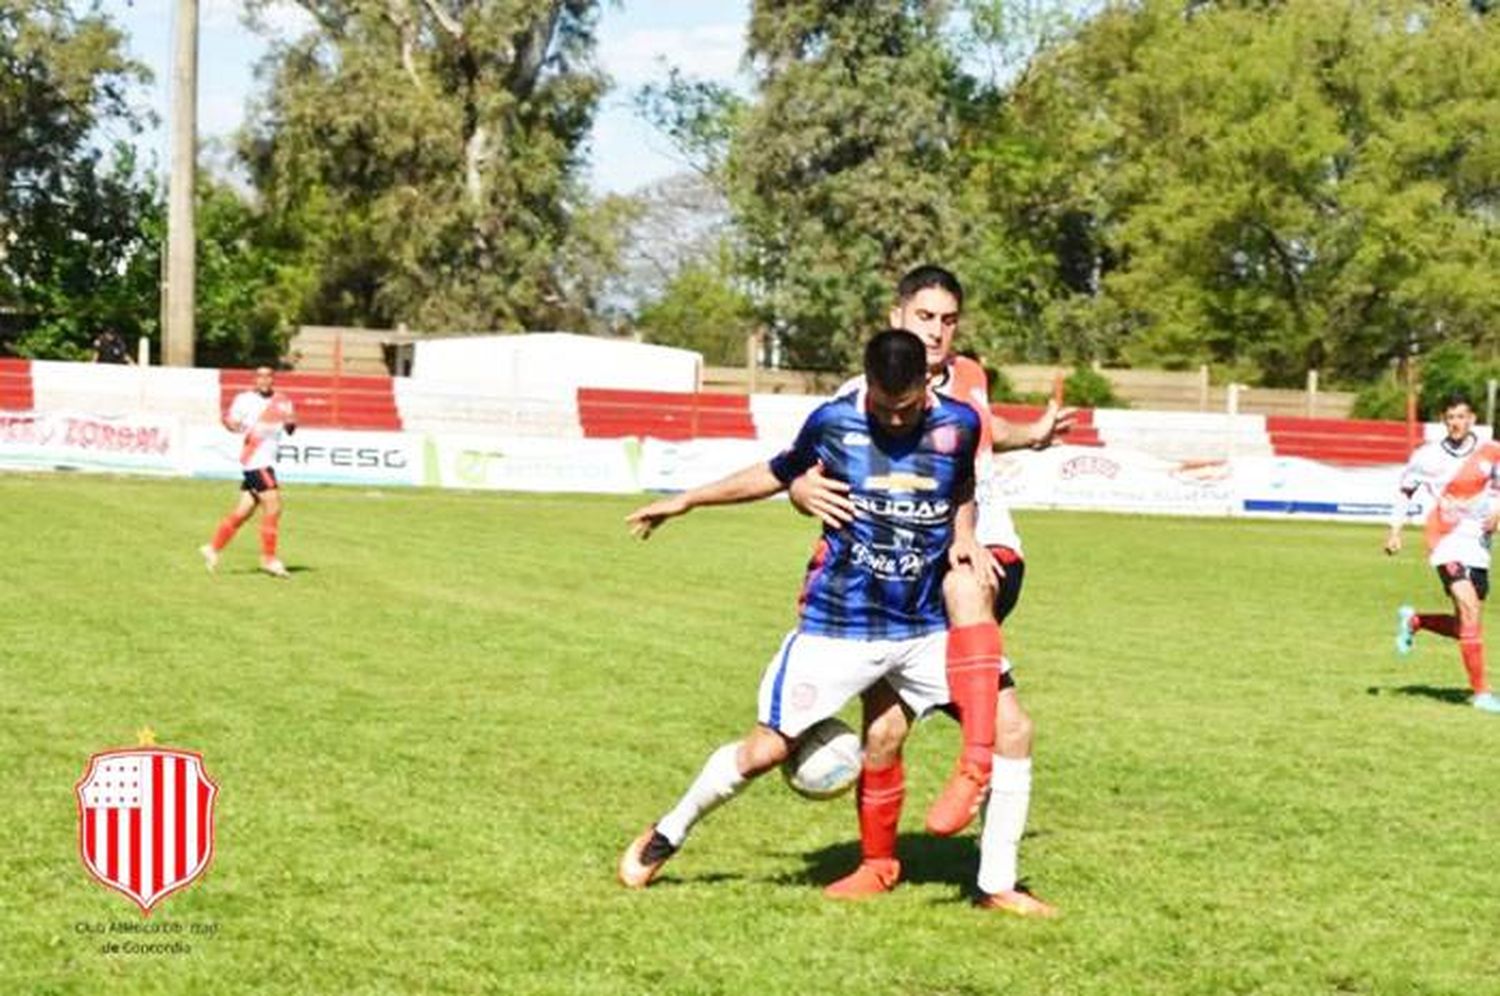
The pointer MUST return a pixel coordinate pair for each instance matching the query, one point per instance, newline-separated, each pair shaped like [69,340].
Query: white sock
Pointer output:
[718,782]
[1004,822]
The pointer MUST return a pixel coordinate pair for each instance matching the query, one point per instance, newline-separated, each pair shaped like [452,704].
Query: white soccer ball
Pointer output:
[825,761]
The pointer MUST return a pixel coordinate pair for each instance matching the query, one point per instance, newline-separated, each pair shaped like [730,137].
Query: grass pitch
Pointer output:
[432,744]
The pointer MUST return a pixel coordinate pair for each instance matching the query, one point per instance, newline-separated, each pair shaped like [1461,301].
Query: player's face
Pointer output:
[897,414]
[1459,421]
[931,314]
[265,380]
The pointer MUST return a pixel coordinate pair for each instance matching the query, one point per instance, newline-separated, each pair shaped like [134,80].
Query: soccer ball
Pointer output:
[825,762]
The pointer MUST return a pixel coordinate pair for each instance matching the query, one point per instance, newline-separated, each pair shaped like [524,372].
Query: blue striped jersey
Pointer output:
[881,577]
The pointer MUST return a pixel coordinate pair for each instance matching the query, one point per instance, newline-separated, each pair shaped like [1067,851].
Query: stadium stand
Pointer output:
[1343,441]
[326,401]
[608,414]
[15,386]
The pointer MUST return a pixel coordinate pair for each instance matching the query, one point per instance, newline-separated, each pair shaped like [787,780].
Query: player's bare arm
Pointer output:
[1398,519]
[824,497]
[752,483]
[1054,421]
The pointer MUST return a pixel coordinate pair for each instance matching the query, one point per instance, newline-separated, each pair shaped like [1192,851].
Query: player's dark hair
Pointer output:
[896,361]
[1455,398]
[926,276]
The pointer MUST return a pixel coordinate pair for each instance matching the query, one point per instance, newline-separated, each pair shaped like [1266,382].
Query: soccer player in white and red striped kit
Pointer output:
[1455,479]
[264,416]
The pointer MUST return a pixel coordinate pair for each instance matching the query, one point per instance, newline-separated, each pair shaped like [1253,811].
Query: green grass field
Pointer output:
[432,744]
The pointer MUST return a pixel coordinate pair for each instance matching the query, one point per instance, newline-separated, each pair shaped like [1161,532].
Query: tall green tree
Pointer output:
[78,218]
[840,174]
[427,154]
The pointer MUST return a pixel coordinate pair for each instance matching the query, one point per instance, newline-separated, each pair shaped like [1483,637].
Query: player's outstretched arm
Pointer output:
[750,484]
[827,498]
[1055,421]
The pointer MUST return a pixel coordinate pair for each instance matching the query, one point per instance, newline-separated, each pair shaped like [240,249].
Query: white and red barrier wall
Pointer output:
[398,431]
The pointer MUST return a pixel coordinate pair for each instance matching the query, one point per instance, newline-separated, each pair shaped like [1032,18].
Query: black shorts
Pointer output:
[1009,592]
[260,480]
[1454,571]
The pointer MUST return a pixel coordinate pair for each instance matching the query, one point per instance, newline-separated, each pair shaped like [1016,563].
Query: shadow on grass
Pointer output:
[669,880]
[290,569]
[1455,696]
[924,859]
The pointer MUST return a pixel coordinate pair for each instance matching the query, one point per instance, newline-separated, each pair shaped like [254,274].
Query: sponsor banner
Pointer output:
[1293,486]
[677,466]
[315,456]
[66,440]
[599,466]
[1113,480]
[1119,480]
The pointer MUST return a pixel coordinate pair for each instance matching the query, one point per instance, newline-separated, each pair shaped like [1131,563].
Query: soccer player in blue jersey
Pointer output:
[872,603]
[985,700]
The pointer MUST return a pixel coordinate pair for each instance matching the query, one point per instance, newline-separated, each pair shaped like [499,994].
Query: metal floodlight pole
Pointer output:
[177,326]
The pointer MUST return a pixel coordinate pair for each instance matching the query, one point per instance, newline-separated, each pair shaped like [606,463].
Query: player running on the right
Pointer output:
[1459,475]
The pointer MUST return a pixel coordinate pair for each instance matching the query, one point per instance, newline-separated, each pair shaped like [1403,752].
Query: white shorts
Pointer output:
[813,677]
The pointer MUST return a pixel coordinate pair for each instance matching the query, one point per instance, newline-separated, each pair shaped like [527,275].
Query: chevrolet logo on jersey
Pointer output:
[901,483]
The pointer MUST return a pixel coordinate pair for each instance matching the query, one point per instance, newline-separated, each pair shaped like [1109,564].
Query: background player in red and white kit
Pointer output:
[263,416]
[872,603]
[1455,480]
[997,731]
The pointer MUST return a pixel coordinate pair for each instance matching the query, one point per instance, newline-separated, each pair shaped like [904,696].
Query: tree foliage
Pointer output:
[78,219]
[425,152]
[838,176]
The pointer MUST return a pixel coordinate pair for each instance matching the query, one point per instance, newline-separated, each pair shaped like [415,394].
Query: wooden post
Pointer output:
[338,373]
[1489,402]
[1203,387]
[1232,410]
[752,359]
[177,328]
[1312,394]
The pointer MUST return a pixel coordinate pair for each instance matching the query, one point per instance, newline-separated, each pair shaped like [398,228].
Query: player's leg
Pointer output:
[973,670]
[270,527]
[1409,622]
[1468,595]
[726,773]
[1005,812]
[808,680]
[878,796]
[227,527]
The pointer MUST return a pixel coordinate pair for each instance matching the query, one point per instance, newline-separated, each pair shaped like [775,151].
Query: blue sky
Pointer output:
[704,38]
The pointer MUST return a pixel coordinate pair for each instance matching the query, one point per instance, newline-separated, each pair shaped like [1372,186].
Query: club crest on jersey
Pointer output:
[856,439]
[901,483]
[944,439]
[146,821]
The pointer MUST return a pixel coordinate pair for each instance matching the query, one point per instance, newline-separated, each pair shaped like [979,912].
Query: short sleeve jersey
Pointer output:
[1455,485]
[264,421]
[880,578]
[966,381]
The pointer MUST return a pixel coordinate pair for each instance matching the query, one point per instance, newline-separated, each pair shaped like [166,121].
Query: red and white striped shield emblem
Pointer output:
[146,821]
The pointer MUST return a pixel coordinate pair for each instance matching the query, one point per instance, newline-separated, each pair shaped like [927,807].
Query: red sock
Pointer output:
[270,523]
[974,684]
[879,796]
[1441,625]
[228,526]
[1471,649]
